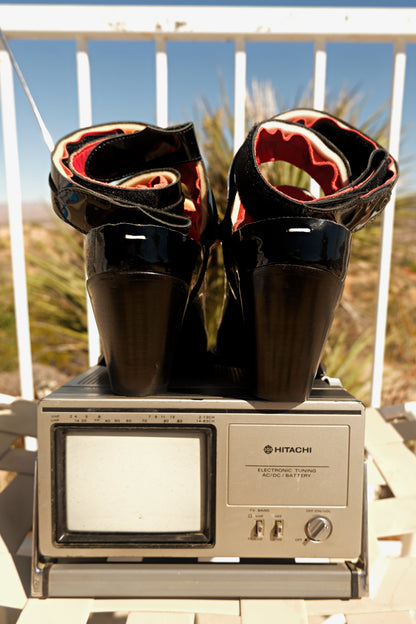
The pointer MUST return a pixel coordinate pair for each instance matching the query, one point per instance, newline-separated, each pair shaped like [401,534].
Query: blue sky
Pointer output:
[123,85]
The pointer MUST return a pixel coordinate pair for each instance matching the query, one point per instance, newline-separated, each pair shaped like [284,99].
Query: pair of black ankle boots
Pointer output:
[140,195]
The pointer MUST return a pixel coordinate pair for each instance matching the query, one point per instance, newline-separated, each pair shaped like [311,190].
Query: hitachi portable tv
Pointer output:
[197,479]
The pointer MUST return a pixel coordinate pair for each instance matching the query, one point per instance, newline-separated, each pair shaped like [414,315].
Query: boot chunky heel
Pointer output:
[139,316]
[290,275]
[139,281]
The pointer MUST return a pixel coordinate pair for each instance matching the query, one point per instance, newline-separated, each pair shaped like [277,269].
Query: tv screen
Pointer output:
[133,480]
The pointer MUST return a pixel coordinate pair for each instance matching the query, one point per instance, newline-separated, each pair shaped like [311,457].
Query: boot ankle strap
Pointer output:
[85,163]
[373,173]
[151,148]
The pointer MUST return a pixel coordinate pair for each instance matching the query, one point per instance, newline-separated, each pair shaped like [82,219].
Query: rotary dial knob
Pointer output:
[318,529]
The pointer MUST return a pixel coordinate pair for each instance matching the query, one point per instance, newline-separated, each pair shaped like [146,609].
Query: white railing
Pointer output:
[167,23]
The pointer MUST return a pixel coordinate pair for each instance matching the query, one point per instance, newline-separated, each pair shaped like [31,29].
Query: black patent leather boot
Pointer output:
[140,195]
[286,252]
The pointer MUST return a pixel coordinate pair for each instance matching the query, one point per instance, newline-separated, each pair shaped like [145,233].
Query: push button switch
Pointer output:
[277,532]
[259,529]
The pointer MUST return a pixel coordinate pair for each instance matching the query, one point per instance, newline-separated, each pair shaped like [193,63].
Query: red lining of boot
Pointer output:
[190,176]
[243,218]
[274,144]
[309,121]
[80,158]
[154,182]
[294,148]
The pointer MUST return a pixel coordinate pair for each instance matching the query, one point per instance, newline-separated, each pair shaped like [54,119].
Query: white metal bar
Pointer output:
[319,75]
[84,83]
[85,119]
[319,86]
[240,69]
[161,83]
[398,81]
[14,200]
[193,22]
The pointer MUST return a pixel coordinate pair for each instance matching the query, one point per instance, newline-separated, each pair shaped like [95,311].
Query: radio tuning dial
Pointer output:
[318,528]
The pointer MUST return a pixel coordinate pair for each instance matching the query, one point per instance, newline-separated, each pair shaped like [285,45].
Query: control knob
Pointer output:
[318,528]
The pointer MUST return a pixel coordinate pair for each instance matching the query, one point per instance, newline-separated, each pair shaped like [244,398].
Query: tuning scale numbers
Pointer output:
[159,419]
[206,418]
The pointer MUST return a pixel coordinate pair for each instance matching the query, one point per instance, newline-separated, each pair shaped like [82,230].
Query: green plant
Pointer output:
[57,299]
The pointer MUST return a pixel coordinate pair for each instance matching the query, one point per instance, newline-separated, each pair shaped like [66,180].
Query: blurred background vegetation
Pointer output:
[56,282]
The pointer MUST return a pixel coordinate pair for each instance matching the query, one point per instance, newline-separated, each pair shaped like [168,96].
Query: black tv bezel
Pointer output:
[62,536]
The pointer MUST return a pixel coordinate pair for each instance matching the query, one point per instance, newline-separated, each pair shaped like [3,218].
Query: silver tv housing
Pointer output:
[197,478]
